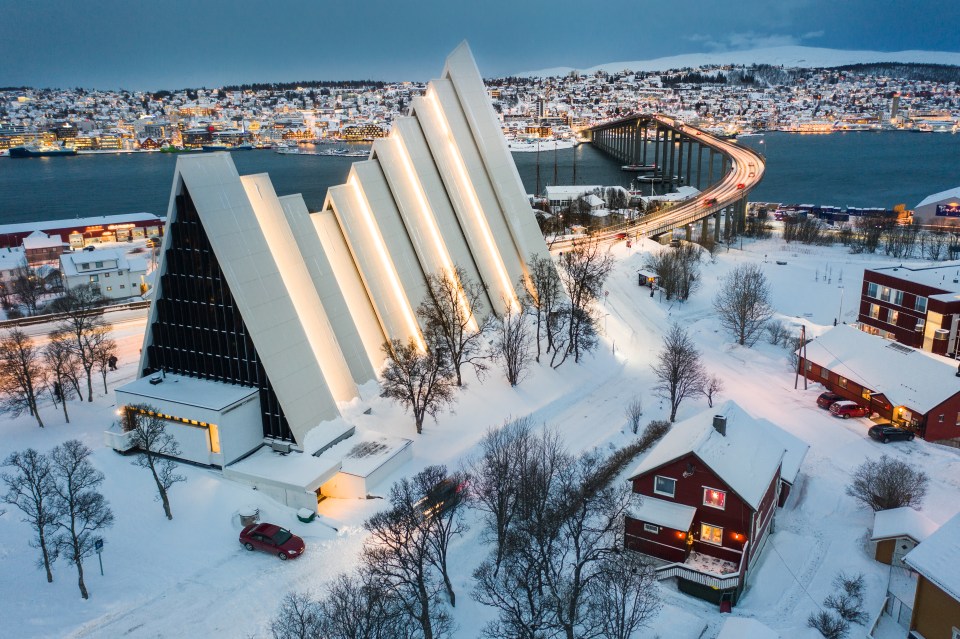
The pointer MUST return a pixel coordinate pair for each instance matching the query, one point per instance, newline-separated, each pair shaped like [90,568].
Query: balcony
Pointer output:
[707,570]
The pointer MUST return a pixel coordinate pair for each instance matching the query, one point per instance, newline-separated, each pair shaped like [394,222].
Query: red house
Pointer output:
[705,499]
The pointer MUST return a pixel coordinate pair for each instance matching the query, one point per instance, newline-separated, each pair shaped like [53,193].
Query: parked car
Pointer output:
[89,247]
[827,399]
[848,409]
[273,539]
[888,433]
[446,494]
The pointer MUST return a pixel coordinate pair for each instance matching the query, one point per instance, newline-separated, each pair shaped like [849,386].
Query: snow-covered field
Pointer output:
[190,577]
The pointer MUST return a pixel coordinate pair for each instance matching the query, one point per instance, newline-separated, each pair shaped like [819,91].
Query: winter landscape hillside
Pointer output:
[190,577]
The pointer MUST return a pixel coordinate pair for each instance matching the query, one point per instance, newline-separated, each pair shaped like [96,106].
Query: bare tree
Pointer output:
[887,483]
[634,412]
[83,322]
[64,369]
[511,344]
[583,270]
[157,447]
[777,333]
[623,598]
[358,606]
[421,381]
[441,496]
[677,270]
[31,489]
[398,554]
[453,315]
[82,510]
[743,303]
[545,300]
[27,288]
[22,376]
[104,351]
[935,244]
[711,387]
[679,372]
[828,624]
[299,617]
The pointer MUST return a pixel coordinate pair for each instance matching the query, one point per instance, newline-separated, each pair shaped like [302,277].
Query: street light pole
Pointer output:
[840,315]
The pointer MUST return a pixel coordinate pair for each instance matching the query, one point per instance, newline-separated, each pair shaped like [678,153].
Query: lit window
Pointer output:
[921,304]
[940,418]
[106,275]
[711,534]
[865,394]
[664,486]
[892,317]
[920,324]
[650,528]
[885,294]
[874,311]
[214,438]
[109,288]
[842,381]
[714,498]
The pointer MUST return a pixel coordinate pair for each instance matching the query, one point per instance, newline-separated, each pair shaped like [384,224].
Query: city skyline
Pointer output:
[173,44]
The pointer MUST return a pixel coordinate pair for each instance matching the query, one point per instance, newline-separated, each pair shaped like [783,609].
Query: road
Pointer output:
[747,168]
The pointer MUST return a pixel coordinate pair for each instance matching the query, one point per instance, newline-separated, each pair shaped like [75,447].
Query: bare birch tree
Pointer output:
[27,288]
[63,368]
[680,374]
[104,351]
[22,375]
[83,321]
[30,487]
[420,380]
[453,315]
[157,447]
[623,599]
[511,346]
[743,303]
[82,510]
[583,270]
[545,300]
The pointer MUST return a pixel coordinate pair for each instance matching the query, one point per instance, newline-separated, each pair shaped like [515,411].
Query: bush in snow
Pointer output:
[634,411]
[887,483]
[828,625]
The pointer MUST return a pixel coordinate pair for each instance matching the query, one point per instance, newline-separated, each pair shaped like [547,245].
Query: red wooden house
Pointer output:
[706,495]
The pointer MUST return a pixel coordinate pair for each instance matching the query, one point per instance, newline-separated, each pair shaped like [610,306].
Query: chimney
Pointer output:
[720,424]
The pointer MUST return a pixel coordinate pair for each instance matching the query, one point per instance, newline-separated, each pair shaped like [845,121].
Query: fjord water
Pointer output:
[840,169]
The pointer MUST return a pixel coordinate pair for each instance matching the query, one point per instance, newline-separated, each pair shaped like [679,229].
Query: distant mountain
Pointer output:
[808,57]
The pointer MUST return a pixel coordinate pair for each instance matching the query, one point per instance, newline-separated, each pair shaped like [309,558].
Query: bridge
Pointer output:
[672,153]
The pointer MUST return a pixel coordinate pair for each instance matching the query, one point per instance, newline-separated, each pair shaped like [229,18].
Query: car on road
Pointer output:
[888,432]
[272,539]
[741,186]
[446,494]
[827,399]
[709,201]
[847,409]
[621,236]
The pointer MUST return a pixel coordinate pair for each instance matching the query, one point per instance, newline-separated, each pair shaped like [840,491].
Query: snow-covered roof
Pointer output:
[942,277]
[190,391]
[746,458]
[302,471]
[949,194]
[39,240]
[593,200]
[937,557]
[906,376]
[660,512]
[901,522]
[123,218]
[569,192]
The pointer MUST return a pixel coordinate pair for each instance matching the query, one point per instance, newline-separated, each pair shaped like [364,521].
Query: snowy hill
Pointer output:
[788,56]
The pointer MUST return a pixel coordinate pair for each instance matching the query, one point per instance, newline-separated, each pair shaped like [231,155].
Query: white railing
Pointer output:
[704,577]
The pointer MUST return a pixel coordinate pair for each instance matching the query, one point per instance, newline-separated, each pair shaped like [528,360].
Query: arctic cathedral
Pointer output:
[267,316]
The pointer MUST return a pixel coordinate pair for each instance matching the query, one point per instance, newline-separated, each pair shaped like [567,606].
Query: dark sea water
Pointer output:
[840,169]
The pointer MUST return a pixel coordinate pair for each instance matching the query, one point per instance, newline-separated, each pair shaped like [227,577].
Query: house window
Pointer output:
[94,278]
[892,317]
[808,365]
[109,288]
[872,289]
[664,486]
[119,272]
[842,381]
[98,264]
[874,311]
[898,298]
[123,286]
[940,418]
[214,438]
[920,305]
[824,372]
[650,528]
[714,498]
[885,294]
[711,534]
[865,394]
[920,324]
[106,275]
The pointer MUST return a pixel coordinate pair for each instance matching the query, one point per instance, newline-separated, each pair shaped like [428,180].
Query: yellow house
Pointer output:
[936,560]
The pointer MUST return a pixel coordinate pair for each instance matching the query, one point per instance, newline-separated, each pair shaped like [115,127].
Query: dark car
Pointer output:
[888,433]
[826,400]
[89,247]
[273,539]
[847,409]
[446,494]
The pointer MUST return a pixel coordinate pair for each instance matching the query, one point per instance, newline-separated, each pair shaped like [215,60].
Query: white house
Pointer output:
[116,275]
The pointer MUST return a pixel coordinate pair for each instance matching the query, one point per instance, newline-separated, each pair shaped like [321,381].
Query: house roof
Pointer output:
[660,512]
[937,557]
[40,240]
[906,376]
[949,194]
[901,522]
[746,458]
[190,391]
[944,278]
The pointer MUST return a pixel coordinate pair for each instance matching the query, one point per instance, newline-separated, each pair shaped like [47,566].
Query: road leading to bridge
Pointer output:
[729,193]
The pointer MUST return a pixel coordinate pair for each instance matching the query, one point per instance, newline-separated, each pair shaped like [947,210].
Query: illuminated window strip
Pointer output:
[426,215]
[474,205]
[388,269]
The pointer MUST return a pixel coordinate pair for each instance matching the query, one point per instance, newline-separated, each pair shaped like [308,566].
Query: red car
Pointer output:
[273,539]
[621,236]
[848,409]
[741,186]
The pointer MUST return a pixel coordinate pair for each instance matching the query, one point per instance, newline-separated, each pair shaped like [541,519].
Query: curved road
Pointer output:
[747,168]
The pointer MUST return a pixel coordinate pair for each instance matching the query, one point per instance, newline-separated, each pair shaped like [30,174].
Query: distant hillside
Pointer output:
[789,57]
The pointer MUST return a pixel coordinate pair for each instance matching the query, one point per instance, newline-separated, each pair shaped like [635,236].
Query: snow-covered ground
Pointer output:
[190,577]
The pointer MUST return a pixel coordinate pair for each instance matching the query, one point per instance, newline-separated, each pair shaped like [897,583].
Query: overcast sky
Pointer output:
[140,44]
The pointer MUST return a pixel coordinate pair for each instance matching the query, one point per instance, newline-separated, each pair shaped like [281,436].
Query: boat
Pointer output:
[639,168]
[211,148]
[176,149]
[40,151]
